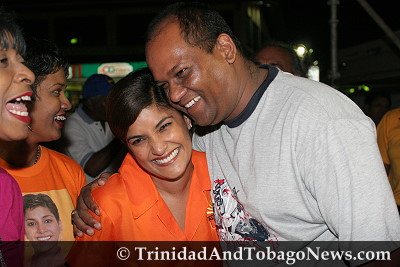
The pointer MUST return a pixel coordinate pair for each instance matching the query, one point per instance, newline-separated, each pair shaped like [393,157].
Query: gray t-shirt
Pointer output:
[301,163]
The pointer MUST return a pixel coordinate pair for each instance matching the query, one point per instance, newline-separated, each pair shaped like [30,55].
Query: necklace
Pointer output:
[37,155]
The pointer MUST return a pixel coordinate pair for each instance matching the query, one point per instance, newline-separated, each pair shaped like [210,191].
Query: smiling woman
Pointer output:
[15,79]
[27,160]
[173,203]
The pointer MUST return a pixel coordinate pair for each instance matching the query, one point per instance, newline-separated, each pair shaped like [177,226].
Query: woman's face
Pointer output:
[49,110]
[41,225]
[160,142]
[15,79]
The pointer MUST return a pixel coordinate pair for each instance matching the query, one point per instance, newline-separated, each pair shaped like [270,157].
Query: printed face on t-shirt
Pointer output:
[41,225]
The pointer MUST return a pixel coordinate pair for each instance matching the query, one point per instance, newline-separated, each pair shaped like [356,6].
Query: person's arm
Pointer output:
[102,158]
[382,132]
[345,173]
[82,219]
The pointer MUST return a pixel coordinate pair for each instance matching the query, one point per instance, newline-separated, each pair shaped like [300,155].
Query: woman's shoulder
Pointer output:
[113,190]
[6,179]
[8,185]
[199,158]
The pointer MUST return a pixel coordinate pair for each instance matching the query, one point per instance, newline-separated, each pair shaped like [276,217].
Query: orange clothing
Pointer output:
[56,175]
[388,133]
[133,210]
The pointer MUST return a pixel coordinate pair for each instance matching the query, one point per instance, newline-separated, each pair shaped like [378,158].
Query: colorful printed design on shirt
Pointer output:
[210,214]
[232,221]
[57,209]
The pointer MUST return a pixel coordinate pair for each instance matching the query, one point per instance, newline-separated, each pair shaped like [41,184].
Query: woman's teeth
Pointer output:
[169,158]
[20,113]
[24,98]
[60,118]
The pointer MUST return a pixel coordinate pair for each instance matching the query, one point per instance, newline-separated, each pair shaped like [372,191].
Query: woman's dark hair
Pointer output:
[128,97]
[32,201]
[43,58]
[9,28]
[200,25]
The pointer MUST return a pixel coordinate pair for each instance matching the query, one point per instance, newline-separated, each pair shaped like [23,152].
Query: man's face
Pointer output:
[198,83]
[276,57]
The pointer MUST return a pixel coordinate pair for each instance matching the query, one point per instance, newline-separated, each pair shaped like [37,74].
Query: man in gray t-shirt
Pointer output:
[293,159]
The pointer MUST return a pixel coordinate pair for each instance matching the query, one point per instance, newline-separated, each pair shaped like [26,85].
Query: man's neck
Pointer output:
[251,80]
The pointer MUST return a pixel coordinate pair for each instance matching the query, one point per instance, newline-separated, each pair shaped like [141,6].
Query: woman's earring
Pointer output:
[190,125]
[29,128]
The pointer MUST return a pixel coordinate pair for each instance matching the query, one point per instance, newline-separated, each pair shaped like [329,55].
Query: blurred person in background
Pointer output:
[87,135]
[388,132]
[376,104]
[281,55]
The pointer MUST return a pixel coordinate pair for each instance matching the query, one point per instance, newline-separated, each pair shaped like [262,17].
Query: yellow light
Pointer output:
[351,90]
[73,41]
[301,50]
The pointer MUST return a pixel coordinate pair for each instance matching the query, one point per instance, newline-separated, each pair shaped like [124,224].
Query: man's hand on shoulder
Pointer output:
[82,219]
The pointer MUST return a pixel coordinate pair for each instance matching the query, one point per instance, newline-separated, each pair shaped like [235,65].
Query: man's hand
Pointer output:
[82,220]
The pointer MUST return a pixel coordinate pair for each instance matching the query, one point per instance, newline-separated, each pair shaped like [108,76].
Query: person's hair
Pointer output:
[297,64]
[200,25]
[369,98]
[9,28]
[32,201]
[43,57]
[128,97]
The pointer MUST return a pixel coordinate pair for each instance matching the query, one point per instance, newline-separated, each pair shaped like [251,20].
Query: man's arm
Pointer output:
[82,220]
[102,158]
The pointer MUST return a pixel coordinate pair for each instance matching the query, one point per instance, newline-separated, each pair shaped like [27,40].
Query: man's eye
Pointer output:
[163,86]
[181,72]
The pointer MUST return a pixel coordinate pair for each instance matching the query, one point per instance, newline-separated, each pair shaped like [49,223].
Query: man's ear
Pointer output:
[226,45]
[188,122]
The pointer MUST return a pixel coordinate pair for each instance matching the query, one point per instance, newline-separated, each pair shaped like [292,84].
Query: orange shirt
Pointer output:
[56,175]
[133,210]
[388,132]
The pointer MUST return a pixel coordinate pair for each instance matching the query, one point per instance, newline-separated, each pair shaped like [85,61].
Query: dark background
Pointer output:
[110,31]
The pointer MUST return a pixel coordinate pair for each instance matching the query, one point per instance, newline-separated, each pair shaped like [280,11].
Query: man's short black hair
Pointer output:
[200,25]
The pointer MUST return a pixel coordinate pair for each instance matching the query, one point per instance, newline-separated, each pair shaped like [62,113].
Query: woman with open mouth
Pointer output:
[37,168]
[15,80]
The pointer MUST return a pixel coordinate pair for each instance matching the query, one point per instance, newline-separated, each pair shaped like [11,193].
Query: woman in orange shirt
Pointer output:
[162,190]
